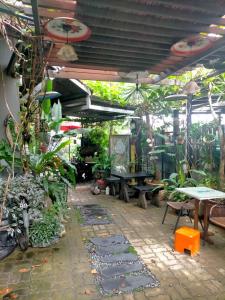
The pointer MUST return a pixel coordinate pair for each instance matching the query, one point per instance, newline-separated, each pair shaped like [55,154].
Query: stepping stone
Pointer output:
[128,283]
[93,208]
[117,249]
[109,241]
[93,214]
[119,271]
[124,268]
[89,205]
[96,222]
[125,257]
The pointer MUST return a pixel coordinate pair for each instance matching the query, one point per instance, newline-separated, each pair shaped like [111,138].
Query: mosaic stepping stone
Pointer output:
[121,269]
[109,241]
[127,283]
[120,248]
[124,257]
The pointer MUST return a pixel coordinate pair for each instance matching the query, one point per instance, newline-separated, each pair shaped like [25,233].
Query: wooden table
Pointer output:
[202,194]
[125,177]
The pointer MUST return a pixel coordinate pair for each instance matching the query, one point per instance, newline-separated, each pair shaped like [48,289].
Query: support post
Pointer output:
[188,149]
[175,125]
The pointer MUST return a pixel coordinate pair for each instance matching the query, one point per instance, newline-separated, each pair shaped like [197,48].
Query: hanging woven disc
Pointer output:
[191,46]
[67,30]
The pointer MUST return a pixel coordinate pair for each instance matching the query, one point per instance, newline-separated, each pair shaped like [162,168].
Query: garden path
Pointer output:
[63,271]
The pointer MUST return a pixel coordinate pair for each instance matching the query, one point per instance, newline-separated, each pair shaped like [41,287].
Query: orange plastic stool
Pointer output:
[188,239]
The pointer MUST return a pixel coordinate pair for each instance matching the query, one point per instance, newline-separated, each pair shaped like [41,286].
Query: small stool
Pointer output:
[188,239]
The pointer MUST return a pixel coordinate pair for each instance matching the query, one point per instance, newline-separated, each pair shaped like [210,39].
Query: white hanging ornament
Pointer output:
[67,53]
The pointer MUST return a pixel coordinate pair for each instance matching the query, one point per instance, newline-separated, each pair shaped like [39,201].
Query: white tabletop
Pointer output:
[202,193]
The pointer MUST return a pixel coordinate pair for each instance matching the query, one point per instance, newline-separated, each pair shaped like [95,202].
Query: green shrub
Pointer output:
[45,230]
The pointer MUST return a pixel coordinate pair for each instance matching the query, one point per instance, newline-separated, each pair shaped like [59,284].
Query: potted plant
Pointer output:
[102,166]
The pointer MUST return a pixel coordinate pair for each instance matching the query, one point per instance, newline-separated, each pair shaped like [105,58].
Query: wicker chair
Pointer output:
[184,208]
[217,214]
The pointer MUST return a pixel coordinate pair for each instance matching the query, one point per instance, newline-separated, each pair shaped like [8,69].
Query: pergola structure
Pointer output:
[132,35]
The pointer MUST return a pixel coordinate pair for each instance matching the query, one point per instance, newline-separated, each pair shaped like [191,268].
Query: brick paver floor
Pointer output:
[63,271]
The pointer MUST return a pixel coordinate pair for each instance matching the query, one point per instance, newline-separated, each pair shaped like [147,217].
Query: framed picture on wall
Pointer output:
[120,151]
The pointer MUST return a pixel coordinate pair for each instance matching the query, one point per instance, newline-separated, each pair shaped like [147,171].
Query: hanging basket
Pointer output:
[67,30]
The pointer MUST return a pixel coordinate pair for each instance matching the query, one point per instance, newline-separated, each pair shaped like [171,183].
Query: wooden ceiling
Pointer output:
[133,35]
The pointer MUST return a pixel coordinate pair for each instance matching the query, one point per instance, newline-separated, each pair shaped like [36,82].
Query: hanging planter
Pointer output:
[67,30]
[191,46]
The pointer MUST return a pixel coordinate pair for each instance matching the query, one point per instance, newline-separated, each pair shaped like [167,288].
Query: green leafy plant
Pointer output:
[44,231]
[6,157]
[54,164]
[22,190]
[102,163]
[178,180]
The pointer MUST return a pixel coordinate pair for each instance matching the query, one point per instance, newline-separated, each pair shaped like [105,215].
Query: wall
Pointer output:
[8,88]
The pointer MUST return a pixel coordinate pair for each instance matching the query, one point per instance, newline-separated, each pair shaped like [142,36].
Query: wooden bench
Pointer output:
[143,189]
[113,183]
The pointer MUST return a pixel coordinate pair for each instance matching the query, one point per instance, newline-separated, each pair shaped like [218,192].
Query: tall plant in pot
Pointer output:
[102,165]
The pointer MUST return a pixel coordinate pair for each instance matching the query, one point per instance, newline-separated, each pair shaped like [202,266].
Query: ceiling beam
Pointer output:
[100,77]
[127,42]
[134,54]
[50,13]
[87,15]
[65,64]
[148,10]
[130,35]
[94,46]
[114,62]
[117,56]
[122,45]
[193,5]
[58,4]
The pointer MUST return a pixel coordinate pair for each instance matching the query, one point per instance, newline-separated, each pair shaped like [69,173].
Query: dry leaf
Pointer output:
[45,260]
[13,296]
[153,261]
[5,291]
[24,270]
[36,266]
[87,292]
[94,271]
